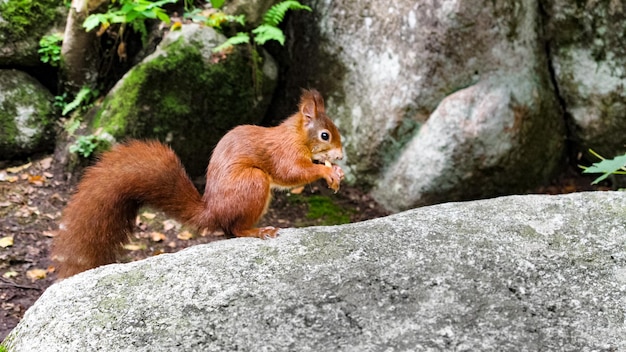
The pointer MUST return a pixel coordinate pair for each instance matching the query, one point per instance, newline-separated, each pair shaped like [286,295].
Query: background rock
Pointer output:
[22,25]
[589,57]
[494,137]
[389,69]
[26,115]
[188,96]
[513,273]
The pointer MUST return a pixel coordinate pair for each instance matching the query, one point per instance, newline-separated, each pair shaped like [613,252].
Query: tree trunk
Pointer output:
[80,48]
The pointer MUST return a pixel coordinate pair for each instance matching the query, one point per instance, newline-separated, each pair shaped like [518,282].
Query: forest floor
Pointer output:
[32,199]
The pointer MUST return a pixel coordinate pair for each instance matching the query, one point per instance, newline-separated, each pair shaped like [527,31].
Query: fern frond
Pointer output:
[239,38]
[275,15]
[265,32]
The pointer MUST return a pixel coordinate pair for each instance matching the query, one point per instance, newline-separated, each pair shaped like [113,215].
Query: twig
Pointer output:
[11,283]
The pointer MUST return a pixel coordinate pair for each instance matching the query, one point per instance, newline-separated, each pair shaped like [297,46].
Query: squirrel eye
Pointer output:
[325,136]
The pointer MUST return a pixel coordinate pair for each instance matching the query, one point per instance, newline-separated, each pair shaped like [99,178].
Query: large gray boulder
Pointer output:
[26,115]
[533,273]
[489,138]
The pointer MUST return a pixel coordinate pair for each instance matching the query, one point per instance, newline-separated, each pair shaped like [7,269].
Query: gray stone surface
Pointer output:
[589,58]
[26,115]
[519,273]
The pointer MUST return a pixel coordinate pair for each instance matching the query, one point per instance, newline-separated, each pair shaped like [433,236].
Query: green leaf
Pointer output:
[93,21]
[163,17]
[607,167]
[241,19]
[274,16]
[217,3]
[239,38]
[79,99]
[265,32]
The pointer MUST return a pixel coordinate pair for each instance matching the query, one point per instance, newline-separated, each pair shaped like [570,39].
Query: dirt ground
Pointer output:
[32,198]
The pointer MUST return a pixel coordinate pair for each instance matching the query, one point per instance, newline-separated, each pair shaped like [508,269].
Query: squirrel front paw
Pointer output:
[335,177]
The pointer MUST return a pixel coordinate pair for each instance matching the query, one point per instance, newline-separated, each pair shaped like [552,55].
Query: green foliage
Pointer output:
[82,99]
[615,166]
[323,210]
[60,101]
[22,17]
[275,15]
[265,32]
[131,12]
[71,126]
[217,3]
[50,49]
[87,145]
[239,38]
[268,30]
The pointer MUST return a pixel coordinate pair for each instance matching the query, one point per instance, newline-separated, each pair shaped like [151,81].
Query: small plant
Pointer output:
[268,30]
[87,145]
[129,12]
[615,166]
[82,99]
[50,49]
[60,101]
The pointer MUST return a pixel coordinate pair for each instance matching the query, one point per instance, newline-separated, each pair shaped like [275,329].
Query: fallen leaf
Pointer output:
[36,274]
[5,204]
[297,190]
[6,241]
[177,26]
[45,163]
[134,246]
[17,169]
[148,215]
[49,233]
[48,174]
[8,178]
[158,252]
[26,211]
[10,274]
[185,235]
[157,236]
[172,244]
[36,180]
[170,224]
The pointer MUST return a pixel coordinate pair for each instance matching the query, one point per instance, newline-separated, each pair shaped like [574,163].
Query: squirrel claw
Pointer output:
[268,232]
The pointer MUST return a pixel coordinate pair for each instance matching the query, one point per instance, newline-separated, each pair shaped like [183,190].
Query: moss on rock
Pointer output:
[22,24]
[25,115]
[185,96]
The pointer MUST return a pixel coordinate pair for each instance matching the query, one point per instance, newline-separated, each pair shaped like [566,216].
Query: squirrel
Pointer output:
[245,165]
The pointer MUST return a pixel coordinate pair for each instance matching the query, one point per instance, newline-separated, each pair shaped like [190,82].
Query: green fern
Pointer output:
[239,38]
[265,32]
[275,15]
[268,30]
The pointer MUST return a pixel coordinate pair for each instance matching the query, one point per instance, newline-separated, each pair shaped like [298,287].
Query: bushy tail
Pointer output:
[101,214]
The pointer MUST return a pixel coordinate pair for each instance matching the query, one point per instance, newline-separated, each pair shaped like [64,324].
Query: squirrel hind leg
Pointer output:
[238,215]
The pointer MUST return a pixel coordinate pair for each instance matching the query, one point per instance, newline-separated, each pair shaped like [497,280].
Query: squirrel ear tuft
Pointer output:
[311,103]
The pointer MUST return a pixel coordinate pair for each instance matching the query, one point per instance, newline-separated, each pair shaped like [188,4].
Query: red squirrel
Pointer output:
[245,165]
